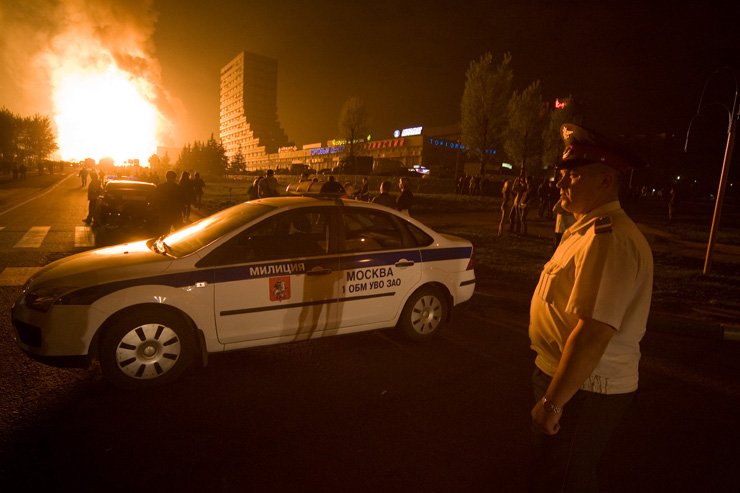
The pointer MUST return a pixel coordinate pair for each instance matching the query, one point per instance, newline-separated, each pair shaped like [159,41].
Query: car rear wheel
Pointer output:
[146,349]
[424,314]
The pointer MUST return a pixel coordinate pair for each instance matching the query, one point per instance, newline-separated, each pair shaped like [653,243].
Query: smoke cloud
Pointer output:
[40,39]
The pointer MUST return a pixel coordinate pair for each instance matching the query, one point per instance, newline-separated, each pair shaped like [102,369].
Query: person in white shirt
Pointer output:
[587,316]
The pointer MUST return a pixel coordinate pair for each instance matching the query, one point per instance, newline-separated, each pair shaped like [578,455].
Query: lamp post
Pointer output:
[733,114]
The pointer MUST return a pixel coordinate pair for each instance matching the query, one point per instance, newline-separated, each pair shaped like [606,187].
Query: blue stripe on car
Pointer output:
[89,295]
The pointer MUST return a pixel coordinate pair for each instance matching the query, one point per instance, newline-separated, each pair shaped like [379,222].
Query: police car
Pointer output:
[264,272]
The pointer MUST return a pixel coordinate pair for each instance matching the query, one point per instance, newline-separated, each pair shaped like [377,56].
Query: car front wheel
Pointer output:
[146,349]
[424,314]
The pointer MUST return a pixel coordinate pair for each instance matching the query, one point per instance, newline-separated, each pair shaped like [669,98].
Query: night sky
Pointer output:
[632,67]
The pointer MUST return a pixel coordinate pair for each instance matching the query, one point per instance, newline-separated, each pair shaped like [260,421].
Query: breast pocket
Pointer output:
[551,280]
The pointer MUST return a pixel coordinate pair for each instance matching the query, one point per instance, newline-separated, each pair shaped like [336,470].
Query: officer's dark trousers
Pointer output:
[568,461]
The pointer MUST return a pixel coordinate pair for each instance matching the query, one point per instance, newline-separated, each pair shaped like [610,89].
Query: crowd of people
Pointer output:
[523,193]
[173,198]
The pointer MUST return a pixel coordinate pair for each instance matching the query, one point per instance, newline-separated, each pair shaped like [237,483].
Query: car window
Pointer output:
[204,232]
[420,237]
[293,234]
[369,230]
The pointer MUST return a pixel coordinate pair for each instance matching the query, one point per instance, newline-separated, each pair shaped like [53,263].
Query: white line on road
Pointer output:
[33,237]
[84,237]
[39,195]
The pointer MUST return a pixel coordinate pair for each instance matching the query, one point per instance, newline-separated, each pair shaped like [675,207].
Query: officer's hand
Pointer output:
[543,421]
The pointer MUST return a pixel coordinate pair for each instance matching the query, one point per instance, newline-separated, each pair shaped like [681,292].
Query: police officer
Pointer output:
[587,317]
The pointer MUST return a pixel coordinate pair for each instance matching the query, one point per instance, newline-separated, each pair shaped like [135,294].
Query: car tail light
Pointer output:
[471,262]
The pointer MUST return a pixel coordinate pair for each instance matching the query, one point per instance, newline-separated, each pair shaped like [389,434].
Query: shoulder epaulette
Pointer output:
[603,225]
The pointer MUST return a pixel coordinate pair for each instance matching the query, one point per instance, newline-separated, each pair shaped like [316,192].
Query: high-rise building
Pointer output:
[248,116]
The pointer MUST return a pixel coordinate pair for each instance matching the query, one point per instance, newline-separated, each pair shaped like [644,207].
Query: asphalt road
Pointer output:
[363,412]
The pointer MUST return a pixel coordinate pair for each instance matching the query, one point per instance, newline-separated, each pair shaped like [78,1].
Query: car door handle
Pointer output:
[404,263]
[318,271]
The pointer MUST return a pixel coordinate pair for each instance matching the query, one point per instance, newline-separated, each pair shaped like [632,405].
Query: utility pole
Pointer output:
[733,114]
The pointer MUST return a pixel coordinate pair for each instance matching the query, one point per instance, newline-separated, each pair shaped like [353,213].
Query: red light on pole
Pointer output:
[559,105]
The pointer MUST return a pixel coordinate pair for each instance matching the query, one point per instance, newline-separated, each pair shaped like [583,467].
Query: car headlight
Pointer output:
[42,299]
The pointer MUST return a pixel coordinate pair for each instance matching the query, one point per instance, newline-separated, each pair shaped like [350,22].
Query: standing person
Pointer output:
[672,202]
[364,192]
[553,197]
[524,201]
[93,192]
[331,186]
[543,195]
[253,193]
[168,198]
[349,191]
[385,198]
[83,177]
[405,199]
[518,187]
[505,205]
[587,317]
[198,185]
[187,192]
[268,185]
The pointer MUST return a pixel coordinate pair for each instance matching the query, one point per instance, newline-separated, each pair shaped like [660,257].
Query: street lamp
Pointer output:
[732,114]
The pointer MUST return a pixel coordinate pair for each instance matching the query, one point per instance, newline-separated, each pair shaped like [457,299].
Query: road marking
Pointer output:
[84,237]
[16,276]
[48,190]
[33,237]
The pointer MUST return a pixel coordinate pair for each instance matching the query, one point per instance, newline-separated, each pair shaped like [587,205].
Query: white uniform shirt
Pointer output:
[603,270]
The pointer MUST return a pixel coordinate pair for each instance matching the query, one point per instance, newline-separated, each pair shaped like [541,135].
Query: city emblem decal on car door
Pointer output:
[279,288]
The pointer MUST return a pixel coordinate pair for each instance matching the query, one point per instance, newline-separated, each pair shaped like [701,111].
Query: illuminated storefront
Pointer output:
[436,150]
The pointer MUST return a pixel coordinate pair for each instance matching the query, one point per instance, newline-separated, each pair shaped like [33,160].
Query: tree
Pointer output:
[483,105]
[38,138]
[353,123]
[8,135]
[527,112]
[238,163]
[209,157]
[553,147]
[25,139]
[216,160]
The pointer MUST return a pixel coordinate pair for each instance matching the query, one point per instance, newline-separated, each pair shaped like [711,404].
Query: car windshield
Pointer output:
[201,233]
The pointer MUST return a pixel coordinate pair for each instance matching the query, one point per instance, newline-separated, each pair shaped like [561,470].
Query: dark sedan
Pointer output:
[125,211]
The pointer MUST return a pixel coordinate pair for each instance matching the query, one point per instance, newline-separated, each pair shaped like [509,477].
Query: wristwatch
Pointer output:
[550,406]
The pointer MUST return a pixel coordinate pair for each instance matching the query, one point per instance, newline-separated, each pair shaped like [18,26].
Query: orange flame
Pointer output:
[105,88]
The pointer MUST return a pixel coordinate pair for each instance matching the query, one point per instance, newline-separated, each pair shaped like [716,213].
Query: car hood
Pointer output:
[103,265]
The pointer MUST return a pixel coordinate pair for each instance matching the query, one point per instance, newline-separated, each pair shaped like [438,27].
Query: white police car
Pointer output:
[263,272]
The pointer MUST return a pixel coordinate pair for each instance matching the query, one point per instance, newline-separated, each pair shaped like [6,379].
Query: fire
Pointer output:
[105,83]
[104,113]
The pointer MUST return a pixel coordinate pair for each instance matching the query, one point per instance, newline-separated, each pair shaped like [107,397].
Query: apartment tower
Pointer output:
[248,116]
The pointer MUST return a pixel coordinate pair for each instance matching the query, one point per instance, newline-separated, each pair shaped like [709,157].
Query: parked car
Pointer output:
[263,272]
[125,211]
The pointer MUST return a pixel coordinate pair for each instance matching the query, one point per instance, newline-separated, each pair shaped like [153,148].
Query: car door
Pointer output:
[380,266]
[277,280]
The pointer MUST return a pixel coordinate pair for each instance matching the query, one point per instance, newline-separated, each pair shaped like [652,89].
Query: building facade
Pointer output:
[248,119]
[437,150]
